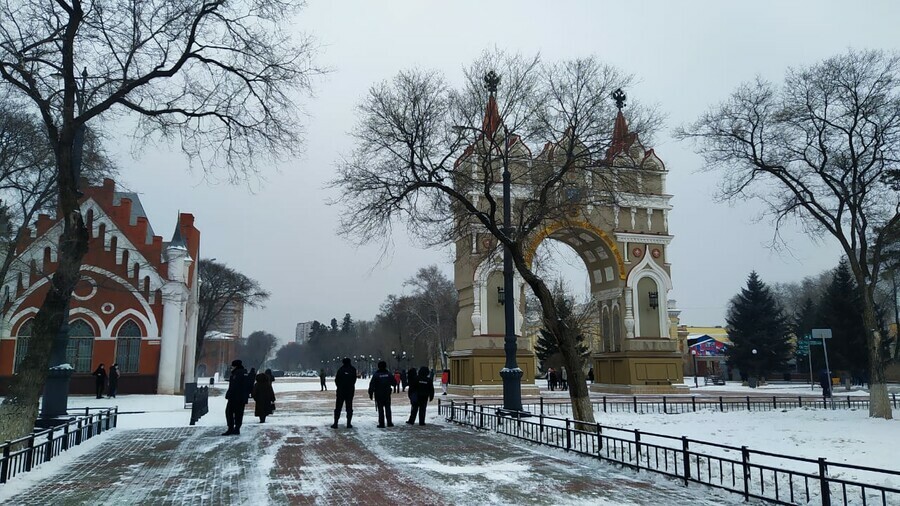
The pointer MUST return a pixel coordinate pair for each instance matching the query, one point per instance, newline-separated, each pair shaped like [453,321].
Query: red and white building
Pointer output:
[136,303]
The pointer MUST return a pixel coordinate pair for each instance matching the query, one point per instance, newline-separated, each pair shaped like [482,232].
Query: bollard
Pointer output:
[686,459]
[49,454]
[823,483]
[4,465]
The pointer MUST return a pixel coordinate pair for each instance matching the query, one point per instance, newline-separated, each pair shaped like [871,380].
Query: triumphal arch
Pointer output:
[624,247]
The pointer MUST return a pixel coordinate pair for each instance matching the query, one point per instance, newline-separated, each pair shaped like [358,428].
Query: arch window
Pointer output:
[128,346]
[22,337]
[80,349]
[607,331]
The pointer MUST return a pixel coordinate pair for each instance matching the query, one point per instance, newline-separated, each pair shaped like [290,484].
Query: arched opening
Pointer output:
[494,312]
[80,349]
[128,346]
[648,307]
[22,337]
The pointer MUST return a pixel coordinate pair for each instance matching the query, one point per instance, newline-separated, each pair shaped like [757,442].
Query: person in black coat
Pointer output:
[380,387]
[270,375]
[825,382]
[113,380]
[322,385]
[345,381]
[424,392]
[412,377]
[264,396]
[237,395]
[100,379]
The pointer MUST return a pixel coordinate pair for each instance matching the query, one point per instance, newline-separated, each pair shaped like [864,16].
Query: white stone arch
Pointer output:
[647,268]
[87,314]
[149,324]
[14,318]
[493,263]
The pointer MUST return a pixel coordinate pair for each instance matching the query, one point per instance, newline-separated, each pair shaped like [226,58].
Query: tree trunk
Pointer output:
[879,401]
[20,408]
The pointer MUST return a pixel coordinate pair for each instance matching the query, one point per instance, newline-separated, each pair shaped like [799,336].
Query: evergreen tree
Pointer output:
[756,322]
[546,348]
[841,311]
[805,319]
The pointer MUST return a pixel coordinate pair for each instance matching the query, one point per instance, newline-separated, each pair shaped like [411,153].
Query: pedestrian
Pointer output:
[100,380]
[591,375]
[380,387]
[264,396]
[551,379]
[322,386]
[345,380]
[236,398]
[403,380]
[113,381]
[825,382]
[251,379]
[563,378]
[412,378]
[396,380]
[270,375]
[424,392]
[445,380]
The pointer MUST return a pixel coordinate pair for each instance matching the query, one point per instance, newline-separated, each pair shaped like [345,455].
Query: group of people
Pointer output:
[557,379]
[382,385]
[100,378]
[242,386]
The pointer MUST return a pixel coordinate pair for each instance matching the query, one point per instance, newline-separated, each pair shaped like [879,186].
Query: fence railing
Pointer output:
[773,477]
[24,454]
[200,404]
[683,404]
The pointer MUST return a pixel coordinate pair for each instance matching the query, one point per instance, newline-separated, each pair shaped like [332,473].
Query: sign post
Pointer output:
[824,334]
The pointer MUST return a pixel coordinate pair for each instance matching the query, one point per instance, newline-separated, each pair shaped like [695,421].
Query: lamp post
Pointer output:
[755,368]
[694,356]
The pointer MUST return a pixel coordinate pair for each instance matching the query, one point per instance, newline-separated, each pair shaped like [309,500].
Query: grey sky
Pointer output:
[686,55]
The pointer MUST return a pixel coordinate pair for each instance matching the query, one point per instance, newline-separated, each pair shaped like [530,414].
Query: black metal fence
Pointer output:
[684,404]
[773,477]
[24,454]
[199,404]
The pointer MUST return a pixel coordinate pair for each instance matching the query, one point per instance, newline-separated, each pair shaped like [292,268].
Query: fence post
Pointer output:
[4,465]
[568,436]
[65,441]
[694,403]
[440,410]
[745,461]
[637,446]
[466,411]
[599,439]
[481,417]
[49,454]
[87,411]
[686,459]
[604,404]
[542,406]
[894,398]
[541,421]
[634,397]
[451,410]
[823,481]
[799,401]
[116,416]
[721,406]
[29,460]
[665,409]
[748,403]
[78,434]
[774,403]
[849,405]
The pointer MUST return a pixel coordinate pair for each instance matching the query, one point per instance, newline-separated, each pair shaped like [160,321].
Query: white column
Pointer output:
[172,293]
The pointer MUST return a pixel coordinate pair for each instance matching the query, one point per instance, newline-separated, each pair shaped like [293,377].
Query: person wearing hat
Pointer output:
[237,396]
[345,380]
[380,387]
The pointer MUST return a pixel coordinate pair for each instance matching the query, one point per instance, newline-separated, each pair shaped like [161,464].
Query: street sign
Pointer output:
[821,333]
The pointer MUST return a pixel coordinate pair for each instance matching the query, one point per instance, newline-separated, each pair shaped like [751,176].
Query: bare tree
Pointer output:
[433,311]
[414,129]
[821,148]
[222,287]
[218,76]
[256,348]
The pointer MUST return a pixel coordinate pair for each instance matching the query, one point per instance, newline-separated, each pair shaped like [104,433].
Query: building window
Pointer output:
[22,342]
[81,346]
[128,347]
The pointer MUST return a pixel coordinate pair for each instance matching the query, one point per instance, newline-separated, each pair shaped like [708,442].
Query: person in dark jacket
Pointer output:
[424,392]
[236,396]
[113,381]
[404,380]
[825,382]
[264,396]
[322,386]
[380,388]
[412,377]
[590,375]
[100,380]
[251,379]
[345,381]
[270,375]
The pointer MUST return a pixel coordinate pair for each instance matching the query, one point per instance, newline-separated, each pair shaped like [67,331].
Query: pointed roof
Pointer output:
[177,241]
[492,119]
[622,139]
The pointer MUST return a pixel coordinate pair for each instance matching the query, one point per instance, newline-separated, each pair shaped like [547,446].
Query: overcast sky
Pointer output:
[686,56]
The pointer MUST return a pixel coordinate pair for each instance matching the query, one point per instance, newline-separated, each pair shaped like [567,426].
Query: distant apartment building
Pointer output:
[220,343]
[302,334]
[230,320]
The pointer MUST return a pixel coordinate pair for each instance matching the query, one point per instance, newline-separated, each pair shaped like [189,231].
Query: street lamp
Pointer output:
[755,367]
[694,356]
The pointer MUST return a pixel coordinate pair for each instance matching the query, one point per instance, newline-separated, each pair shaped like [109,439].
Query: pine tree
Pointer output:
[756,322]
[841,311]
[546,348]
